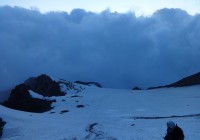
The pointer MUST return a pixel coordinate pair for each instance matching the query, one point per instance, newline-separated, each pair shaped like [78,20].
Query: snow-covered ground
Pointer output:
[107,114]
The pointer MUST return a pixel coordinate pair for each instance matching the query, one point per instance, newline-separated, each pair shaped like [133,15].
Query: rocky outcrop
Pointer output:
[187,81]
[136,88]
[44,85]
[89,83]
[20,99]
[2,123]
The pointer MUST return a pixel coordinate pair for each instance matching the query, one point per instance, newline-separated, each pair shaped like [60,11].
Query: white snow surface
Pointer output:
[107,114]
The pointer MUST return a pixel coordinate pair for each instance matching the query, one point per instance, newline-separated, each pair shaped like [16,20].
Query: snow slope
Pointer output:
[108,114]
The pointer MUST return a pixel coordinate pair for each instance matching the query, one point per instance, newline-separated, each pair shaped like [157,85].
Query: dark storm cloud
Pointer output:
[117,50]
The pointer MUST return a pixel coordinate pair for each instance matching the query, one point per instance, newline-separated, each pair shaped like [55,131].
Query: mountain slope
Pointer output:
[187,81]
[99,113]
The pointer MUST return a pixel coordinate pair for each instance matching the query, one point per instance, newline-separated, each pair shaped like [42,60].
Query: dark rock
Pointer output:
[89,83]
[20,99]
[69,85]
[52,112]
[91,127]
[64,111]
[2,123]
[156,87]
[187,81]
[80,106]
[76,96]
[44,85]
[136,88]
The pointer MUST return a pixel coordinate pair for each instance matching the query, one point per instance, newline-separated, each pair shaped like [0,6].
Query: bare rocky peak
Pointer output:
[44,85]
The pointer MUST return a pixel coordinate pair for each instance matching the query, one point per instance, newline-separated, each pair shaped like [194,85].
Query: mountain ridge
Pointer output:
[191,80]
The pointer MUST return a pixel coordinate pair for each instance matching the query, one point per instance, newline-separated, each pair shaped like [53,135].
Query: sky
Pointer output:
[118,50]
[140,7]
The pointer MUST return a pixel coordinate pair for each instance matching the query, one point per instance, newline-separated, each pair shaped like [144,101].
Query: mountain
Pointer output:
[187,81]
[73,111]
[21,99]
[92,113]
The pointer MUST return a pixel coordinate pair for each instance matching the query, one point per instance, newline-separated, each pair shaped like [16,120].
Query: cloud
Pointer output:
[119,50]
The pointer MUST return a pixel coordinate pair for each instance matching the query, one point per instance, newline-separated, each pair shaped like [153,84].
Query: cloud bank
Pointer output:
[119,50]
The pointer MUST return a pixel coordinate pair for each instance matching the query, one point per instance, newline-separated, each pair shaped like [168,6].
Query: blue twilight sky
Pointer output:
[140,7]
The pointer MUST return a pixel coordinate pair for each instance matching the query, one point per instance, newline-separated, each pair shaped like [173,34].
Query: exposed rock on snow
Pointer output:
[64,111]
[89,83]
[20,99]
[2,123]
[75,96]
[44,85]
[80,106]
[70,87]
[136,88]
[36,94]
[187,81]
[95,134]
[166,117]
